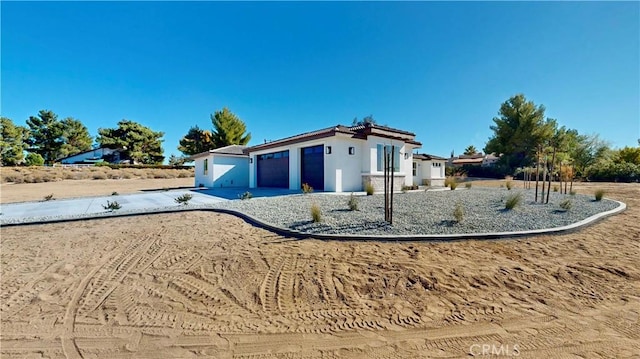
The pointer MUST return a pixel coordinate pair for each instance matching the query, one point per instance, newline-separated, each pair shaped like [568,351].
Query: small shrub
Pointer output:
[33,159]
[599,194]
[566,204]
[99,176]
[458,212]
[48,197]
[509,184]
[468,185]
[114,193]
[513,200]
[353,203]
[555,188]
[184,199]
[316,214]
[572,192]
[453,185]
[246,195]
[448,181]
[368,188]
[112,206]
[306,188]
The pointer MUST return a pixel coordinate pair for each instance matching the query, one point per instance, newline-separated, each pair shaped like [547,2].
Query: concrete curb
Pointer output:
[348,237]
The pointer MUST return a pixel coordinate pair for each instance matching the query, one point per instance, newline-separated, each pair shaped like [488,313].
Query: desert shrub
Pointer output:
[448,181]
[306,188]
[246,195]
[453,185]
[368,188]
[458,212]
[33,159]
[185,174]
[566,204]
[573,192]
[468,185]
[114,193]
[99,176]
[555,188]
[316,214]
[48,197]
[508,184]
[160,174]
[353,202]
[512,201]
[184,199]
[112,206]
[599,194]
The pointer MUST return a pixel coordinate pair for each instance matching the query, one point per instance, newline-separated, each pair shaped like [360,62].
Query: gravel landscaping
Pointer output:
[421,212]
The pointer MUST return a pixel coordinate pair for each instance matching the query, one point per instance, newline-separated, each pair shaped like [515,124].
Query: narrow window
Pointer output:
[414,168]
[352,150]
[328,150]
[205,168]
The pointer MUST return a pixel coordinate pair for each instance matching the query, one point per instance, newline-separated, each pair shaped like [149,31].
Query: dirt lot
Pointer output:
[209,285]
[21,192]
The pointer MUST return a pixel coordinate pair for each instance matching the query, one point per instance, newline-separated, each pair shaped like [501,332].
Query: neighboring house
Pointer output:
[429,170]
[223,167]
[102,154]
[335,159]
[477,159]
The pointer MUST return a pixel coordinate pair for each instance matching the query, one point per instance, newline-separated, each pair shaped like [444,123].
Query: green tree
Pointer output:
[45,135]
[628,154]
[228,129]
[140,143]
[177,160]
[12,143]
[518,132]
[470,150]
[75,137]
[196,141]
[34,159]
[367,120]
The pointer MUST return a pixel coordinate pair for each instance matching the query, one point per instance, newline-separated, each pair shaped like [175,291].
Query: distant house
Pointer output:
[223,167]
[335,159]
[96,155]
[428,170]
[477,159]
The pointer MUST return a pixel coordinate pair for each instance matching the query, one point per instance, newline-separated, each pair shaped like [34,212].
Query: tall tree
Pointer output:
[45,135]
[470,150]
[12,143]
[196,141]
[228,129]
[75,137]
[628,154]
[518,131]
[138,142]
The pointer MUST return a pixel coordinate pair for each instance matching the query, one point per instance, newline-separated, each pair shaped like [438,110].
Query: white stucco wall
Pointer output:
[202,179]
[343,171]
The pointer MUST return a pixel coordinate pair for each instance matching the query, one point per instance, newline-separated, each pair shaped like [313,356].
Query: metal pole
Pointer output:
[386,199]
[393,168]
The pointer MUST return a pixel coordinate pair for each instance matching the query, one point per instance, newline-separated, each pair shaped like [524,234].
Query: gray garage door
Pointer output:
[312,167]
[273,170]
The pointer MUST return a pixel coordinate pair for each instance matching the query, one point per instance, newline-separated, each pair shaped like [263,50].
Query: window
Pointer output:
[352,150]
[415,165]
[205,167]
[437,164]
[328,150]
[380,161]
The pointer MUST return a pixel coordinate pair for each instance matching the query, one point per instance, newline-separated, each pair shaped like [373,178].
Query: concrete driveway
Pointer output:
[93,205]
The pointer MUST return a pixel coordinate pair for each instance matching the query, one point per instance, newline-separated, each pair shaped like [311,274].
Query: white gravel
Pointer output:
[421,212]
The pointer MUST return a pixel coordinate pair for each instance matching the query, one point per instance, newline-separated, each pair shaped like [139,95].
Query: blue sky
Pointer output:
[440,70]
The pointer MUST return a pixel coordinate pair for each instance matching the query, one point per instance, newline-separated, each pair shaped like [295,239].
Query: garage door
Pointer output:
[312,164]
[273,169]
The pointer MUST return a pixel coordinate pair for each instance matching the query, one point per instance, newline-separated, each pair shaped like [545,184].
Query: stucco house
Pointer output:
[428,170]
[223,167]
[335,159]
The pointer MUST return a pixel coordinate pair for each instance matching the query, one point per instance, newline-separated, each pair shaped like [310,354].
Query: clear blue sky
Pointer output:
[440,70]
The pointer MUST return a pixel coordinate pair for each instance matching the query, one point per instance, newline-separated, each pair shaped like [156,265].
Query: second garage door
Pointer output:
[273,169]
[312,167]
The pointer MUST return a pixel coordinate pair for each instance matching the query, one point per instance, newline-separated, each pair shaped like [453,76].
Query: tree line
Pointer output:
[45,139]
[538,147]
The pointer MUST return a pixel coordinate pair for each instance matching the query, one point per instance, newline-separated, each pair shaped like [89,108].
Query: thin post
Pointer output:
[386,199]
[393,169]
[537,171]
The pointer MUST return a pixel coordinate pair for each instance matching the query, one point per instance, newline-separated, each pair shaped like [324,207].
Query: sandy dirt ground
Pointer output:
[206,285]
[10,192]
